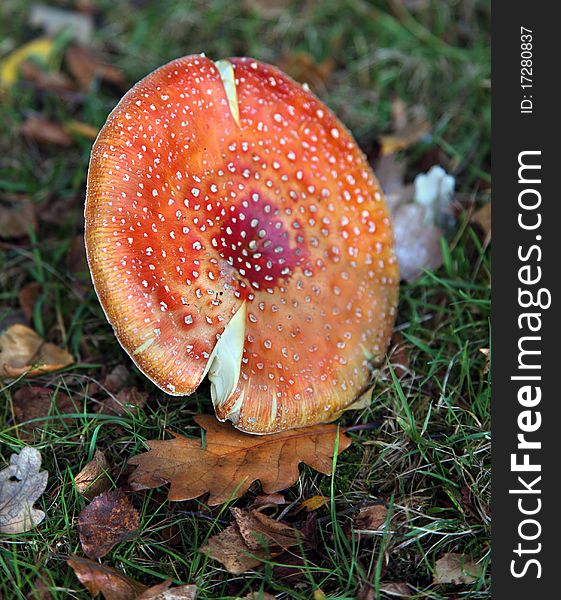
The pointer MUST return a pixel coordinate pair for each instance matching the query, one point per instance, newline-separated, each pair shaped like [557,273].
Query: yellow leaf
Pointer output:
[404,138]
[41,48]
[83,129]
[313,503]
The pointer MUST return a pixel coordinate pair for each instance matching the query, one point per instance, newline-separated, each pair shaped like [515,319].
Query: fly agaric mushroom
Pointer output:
[235,229]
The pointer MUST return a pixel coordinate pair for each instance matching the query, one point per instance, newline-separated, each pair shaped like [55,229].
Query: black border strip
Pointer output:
[525,362]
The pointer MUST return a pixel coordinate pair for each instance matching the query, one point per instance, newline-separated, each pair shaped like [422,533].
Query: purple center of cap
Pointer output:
[255,241]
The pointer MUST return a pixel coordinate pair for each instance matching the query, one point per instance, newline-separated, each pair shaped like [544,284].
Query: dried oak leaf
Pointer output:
[81,129]
[456,569]
[231,460]
[302,67]
[258,530]
[43,131]
[396,589]
[99,579]
[163,591]
[107,521]
[404,138]
[17,217]
[93,479]
[398,355]
[249,541]
[116,379]
[41,588]
[24,352]
[228,548]
[371,517]
[483,218]
[125,402]
[86,66]
[36,404]
[21,484]
[28,296]
[268,500]
[52,81]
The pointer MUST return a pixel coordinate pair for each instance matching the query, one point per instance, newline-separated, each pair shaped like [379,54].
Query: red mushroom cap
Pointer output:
[234,227]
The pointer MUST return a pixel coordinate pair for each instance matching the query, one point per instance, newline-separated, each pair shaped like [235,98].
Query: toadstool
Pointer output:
[235,229]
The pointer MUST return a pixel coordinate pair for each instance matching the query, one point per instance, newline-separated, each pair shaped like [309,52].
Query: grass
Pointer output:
[428,456]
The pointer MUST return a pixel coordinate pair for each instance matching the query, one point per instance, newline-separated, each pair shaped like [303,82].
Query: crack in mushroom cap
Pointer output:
[268,219]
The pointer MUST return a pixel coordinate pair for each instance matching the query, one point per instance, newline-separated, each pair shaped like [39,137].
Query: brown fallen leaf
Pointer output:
[114,585]
[99,579]
[400,116]
[398,355]
[231,460]
[77,265]
[76,261]
[404,138]
[28,296]
[371,518]
[269,500]
[107,521]
[33,403]
[397,589]
[366,592]
[291,568]
[93,479]
[302,67]
[82,129]
[59,210]
[456,569]
[228,548]
[52,81]
[163,591]
[116,379]
[125,402]
[86,66]
[249,541]
[405,131]
[21,484]
[259,596]
[312,503]
[483,218]
[258,530]
[17,218]
[24,352]
[41,589]
[43,131]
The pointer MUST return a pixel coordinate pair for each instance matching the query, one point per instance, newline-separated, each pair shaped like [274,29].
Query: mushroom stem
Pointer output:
[224,364]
